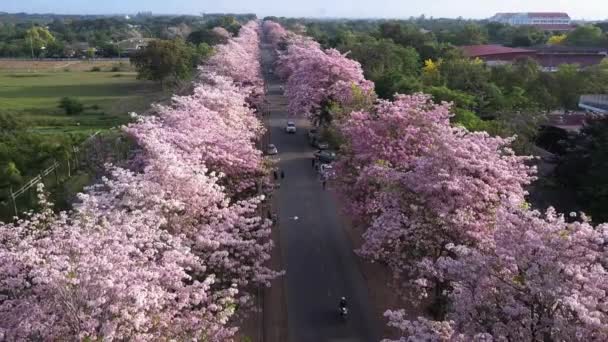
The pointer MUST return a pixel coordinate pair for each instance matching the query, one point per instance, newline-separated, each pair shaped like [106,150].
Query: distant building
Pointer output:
[496,54]
[549,21]
[550,58]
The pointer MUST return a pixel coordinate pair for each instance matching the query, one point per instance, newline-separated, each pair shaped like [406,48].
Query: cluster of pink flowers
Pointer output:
[168,251]
[316,76]
[275,33]
[445,210]
[545,280]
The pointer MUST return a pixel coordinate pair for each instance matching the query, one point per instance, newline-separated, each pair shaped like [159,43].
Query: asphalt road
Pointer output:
[317,255]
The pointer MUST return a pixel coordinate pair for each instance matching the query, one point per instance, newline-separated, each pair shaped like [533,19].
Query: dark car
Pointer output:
[312,136]
[325,156]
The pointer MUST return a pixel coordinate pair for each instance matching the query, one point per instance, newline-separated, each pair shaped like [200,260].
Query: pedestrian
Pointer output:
[269,215]
[324,184]
[313,163]
[282,174]
[275,174]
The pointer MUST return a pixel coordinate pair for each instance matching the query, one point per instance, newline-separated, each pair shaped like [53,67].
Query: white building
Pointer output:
[542,19]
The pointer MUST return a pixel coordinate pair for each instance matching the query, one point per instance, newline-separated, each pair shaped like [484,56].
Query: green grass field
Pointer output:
[108,98]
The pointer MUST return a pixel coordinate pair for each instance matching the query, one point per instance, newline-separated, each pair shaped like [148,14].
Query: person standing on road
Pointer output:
[313,163]
[275,174]
[324,183]
[282,174]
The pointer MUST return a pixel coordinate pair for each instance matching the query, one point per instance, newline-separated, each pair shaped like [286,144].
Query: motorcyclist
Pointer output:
[342,307]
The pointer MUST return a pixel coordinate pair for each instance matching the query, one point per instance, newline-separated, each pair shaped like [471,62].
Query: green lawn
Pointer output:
[35,96]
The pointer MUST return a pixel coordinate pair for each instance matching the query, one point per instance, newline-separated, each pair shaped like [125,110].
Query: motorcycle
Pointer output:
[343,310]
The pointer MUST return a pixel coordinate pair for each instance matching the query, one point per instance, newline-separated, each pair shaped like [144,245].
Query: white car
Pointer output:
[291,127]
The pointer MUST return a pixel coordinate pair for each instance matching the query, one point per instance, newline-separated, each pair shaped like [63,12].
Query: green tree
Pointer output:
[584,169]
[163,59]
[206,36]
[471,34]
[526,36]
[71,106]
[91,53]
[460,99]
[10,175]
[586,35]
[569,85]
[38,38]
[391,83]
[381,57]
[230,23]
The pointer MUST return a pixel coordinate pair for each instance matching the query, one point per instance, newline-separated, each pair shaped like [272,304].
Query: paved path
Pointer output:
[316,253]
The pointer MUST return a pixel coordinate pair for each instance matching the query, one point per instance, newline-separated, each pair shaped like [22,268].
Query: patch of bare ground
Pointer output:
[17,65]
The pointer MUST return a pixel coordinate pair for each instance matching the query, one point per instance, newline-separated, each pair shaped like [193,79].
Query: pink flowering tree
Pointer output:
[274,32]
[545,280]
[419,185]
[105,274]
[445,209]
[166,251]
[221,132]
[315,78]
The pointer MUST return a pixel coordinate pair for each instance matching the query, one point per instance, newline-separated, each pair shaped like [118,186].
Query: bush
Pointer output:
[119,67]
[71,106]
[95,69]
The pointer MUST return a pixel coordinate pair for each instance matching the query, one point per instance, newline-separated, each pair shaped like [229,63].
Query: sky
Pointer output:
[578,9]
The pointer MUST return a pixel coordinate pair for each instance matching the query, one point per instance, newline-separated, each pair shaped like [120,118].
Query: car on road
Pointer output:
[312,133]
[290,127]
[325,156]
[271,150]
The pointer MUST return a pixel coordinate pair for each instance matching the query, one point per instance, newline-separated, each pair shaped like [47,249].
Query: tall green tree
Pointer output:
[584,169]
[38,38]
[586,35]
[164,59]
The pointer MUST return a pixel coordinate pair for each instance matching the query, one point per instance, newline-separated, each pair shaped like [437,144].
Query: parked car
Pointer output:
[271,150]
[325,156]
[320,144]
[291,127]
[312,135]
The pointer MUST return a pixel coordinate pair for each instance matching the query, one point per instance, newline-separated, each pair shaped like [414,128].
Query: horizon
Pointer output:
[313,9]
[278,16]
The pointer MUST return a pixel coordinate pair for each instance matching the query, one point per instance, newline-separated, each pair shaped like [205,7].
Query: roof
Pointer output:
[568,122]
[534,14]
[570,49]
[490,49]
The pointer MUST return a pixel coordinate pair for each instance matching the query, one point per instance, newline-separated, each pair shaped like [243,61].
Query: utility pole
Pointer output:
[14,200]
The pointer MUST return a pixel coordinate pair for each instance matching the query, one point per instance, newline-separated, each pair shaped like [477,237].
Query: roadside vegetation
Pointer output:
[49,107]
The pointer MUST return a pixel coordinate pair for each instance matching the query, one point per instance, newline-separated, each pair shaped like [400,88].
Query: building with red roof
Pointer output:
[548,57]
[496,54]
